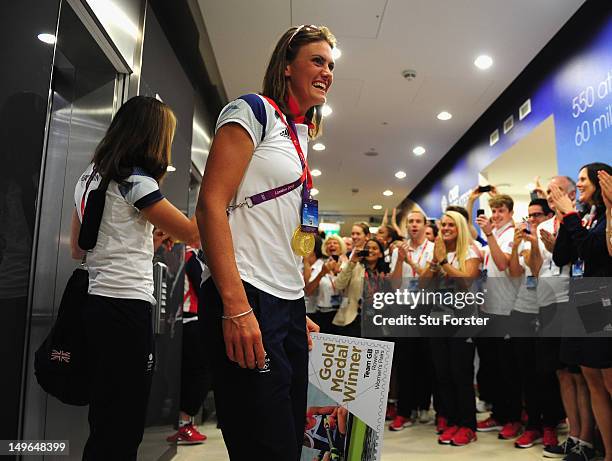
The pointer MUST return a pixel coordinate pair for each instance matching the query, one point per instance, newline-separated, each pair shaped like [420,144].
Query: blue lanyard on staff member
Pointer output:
[303,241]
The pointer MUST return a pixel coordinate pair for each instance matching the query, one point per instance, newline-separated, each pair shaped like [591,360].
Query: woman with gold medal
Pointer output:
[256,219]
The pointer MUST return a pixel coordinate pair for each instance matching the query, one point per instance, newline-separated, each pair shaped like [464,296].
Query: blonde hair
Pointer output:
[338,239]
[287,48]
[464,239]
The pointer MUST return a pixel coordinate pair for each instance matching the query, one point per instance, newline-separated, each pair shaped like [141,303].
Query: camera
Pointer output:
[480,212]
[363,253]
[484,188]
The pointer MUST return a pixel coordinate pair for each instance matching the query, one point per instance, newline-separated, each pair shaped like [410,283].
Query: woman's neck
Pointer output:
[294,106]
[371,264]
[451,246]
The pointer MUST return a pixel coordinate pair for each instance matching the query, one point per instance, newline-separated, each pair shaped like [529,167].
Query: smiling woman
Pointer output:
[255,320]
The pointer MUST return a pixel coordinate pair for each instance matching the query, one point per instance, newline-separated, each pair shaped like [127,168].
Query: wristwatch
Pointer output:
[444,261]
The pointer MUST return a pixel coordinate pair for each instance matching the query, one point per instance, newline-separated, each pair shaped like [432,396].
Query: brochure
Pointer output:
[348,383]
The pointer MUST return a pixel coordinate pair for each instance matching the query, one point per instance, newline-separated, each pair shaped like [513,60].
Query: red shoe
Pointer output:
[549,439]
[447,435]
[463,436]
[400,423]
[187,435]
[441,424]
[528,439]
[510,431]
[391,411]
[488,425]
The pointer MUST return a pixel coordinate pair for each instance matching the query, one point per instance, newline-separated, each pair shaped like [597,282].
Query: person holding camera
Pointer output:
[320,272]
[364,274]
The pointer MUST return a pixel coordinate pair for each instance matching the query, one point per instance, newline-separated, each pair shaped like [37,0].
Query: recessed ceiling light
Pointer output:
[388,193]
[336,53]
[319,146]
[483,62]
[314,192]
[316,172]
[47,38]
[171,168]
[326,110]
[400,175]
[377,207]
[418,150]
[444,115]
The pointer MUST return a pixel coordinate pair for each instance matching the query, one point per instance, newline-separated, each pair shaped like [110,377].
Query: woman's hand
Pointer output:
[243,341]
[605,181]
[563,204]
[440,251]
[311,327]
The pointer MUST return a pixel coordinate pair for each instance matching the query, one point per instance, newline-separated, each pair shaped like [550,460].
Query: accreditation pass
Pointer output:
[34,447]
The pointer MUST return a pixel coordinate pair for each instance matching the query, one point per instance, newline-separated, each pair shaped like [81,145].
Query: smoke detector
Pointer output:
[409,74]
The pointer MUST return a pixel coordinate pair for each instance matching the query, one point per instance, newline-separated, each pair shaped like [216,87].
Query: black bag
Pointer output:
[60,364]
[94,209]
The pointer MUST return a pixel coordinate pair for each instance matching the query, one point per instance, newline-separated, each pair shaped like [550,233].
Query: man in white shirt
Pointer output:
[500,297]
[413,357]
[537,356]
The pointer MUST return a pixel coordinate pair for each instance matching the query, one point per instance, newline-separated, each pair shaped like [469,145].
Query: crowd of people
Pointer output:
[536,367]
[260,259]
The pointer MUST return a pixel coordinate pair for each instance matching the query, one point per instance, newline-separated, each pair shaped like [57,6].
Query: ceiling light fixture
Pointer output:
[316,172]
[170,168]
[388,193]
[400,175]
[336,53]
[314,192]
[46,38]
[319,146]
[483,62]
[418,150]
[377,207]
[326,110]
[444,115]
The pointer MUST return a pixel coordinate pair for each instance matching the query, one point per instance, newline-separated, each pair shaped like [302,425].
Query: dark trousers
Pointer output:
[487,369]
[415,369]
[120,351]
[538,360]
[353,329]
[324,320]
[507,393]
[196,379]
[453,360]
[261,413]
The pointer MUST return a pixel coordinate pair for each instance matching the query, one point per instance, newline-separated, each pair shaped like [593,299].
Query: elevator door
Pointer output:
[83,94]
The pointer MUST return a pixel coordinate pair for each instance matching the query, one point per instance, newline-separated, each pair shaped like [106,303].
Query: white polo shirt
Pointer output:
[501,290]
[526,298]
[554,281]
[121,263]
[262,234]
[421,256]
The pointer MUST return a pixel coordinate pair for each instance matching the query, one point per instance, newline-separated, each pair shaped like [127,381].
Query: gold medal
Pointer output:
[302,243]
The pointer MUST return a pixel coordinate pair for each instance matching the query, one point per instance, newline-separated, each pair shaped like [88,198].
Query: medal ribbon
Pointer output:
[276,192]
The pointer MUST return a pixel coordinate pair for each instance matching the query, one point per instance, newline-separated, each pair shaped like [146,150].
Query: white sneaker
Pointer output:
[425,416]
[482,406]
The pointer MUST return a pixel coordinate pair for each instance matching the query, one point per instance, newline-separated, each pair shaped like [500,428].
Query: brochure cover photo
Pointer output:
[348,384]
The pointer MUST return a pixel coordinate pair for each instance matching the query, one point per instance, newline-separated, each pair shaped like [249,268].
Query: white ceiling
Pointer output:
[379,38]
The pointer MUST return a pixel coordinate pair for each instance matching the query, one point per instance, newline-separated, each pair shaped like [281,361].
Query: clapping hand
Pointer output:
[563,204]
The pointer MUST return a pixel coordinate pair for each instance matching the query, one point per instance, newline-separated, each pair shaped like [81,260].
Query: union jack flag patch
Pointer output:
[60,356]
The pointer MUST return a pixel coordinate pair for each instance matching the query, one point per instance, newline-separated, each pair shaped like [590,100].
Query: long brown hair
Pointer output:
[140,135]
[287,48]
